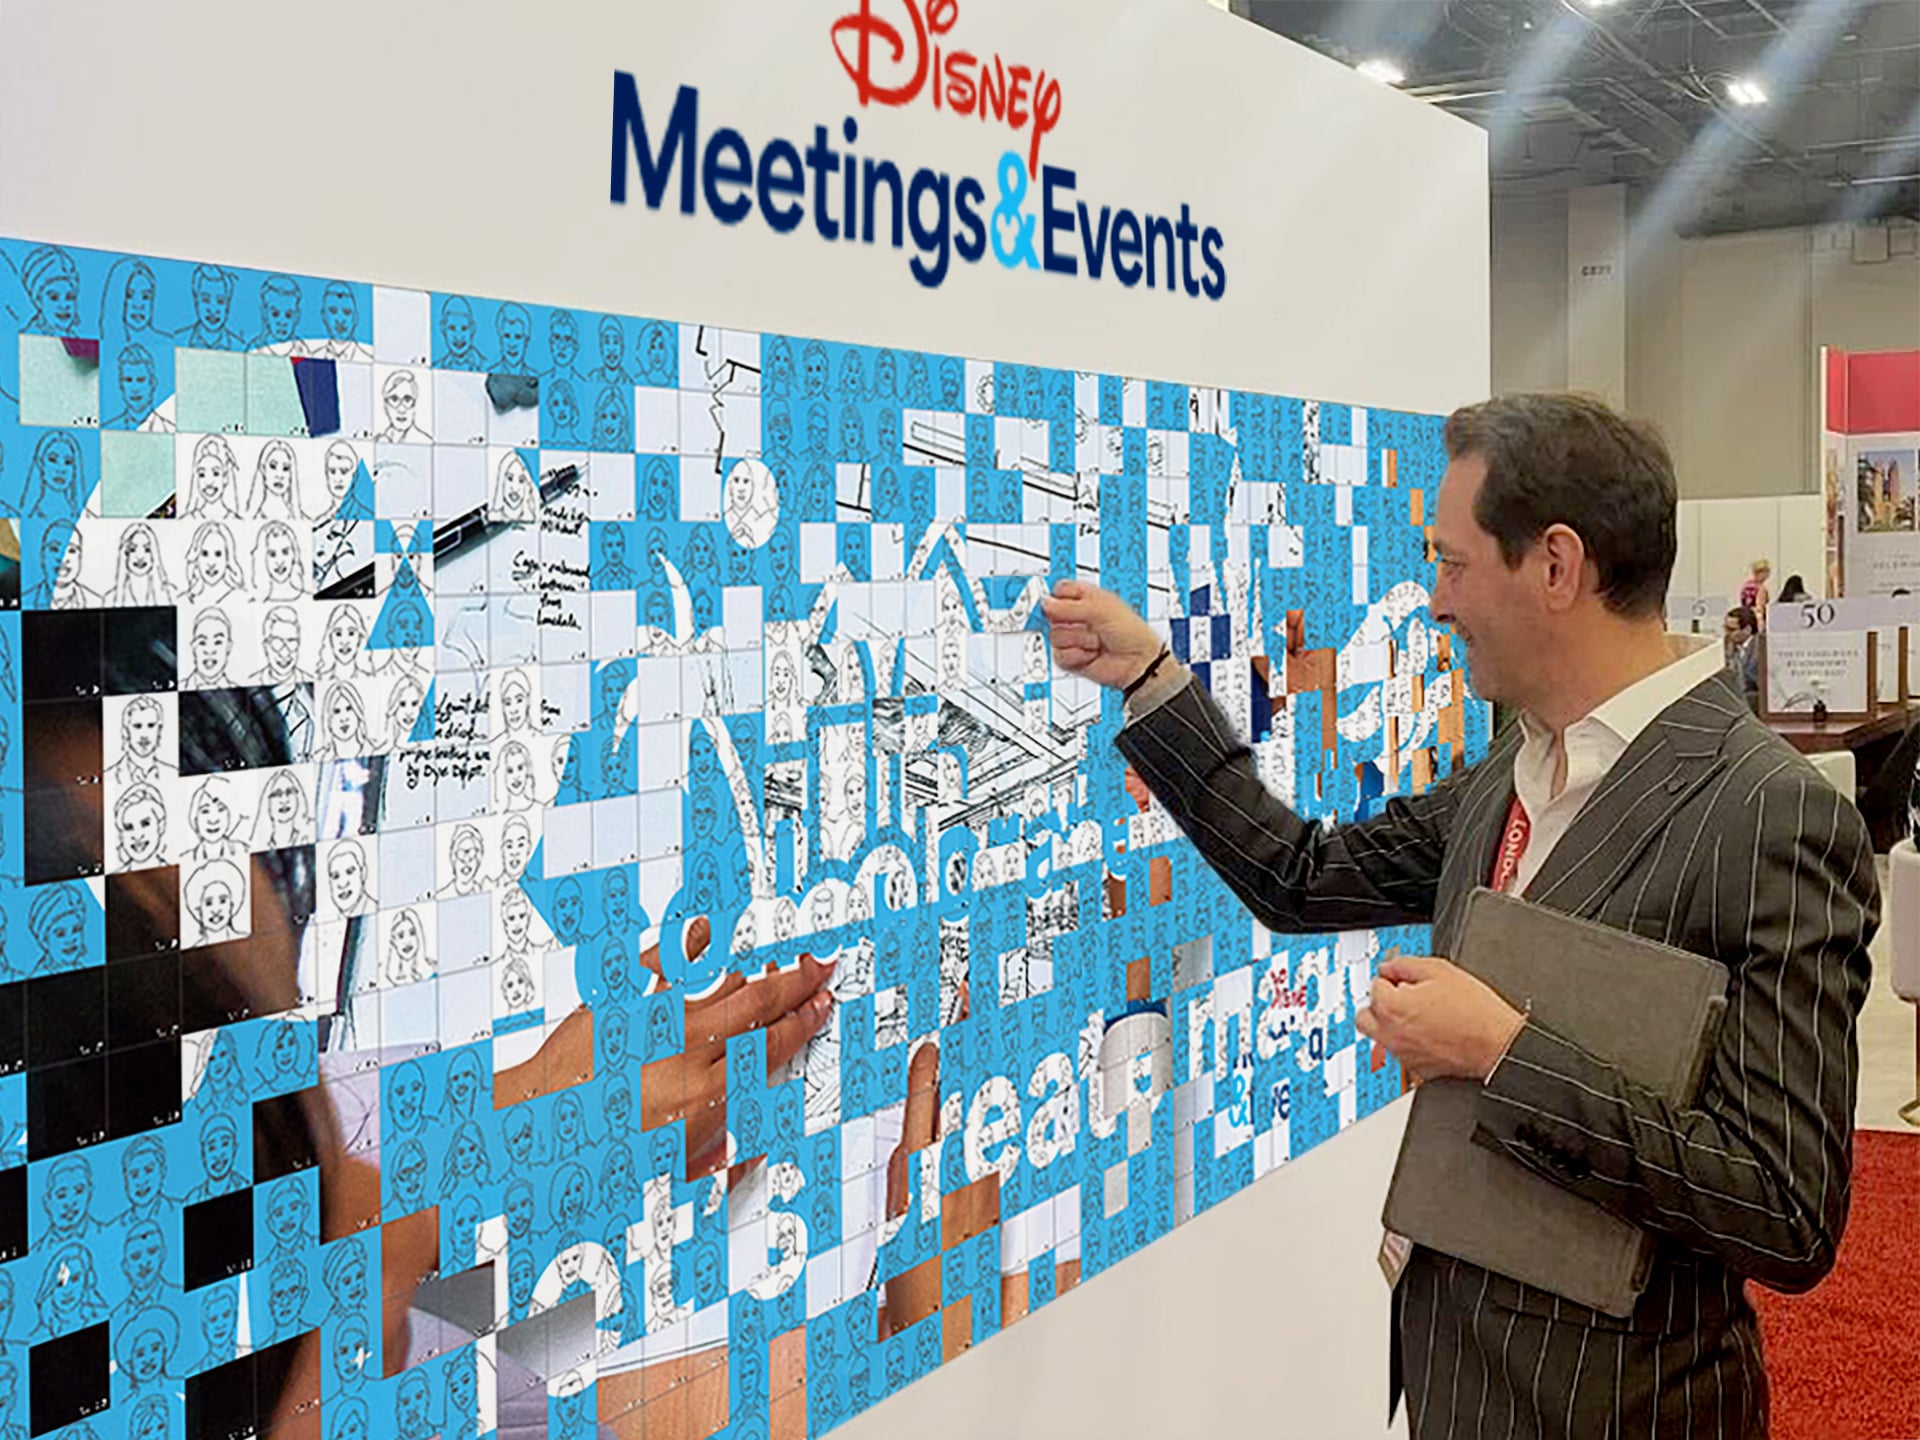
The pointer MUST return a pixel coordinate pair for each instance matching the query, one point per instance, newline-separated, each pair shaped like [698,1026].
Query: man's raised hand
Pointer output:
[1097,634]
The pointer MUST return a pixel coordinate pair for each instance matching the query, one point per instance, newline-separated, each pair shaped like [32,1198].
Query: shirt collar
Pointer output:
[1695,659]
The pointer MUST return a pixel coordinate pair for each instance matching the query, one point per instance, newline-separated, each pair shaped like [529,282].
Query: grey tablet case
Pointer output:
[1648,1008]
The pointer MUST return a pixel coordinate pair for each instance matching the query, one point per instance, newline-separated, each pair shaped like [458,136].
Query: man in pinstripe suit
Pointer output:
[1637,790]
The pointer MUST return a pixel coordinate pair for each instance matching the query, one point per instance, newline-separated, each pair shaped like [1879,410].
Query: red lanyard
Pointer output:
[1513,844]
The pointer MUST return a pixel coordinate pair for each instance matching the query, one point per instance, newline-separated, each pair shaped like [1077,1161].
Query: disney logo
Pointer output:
[895,62]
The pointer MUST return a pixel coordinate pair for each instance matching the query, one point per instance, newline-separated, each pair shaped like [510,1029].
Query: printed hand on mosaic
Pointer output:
[478,644]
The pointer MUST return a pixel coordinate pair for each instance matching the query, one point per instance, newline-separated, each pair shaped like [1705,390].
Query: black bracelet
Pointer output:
[1147,674]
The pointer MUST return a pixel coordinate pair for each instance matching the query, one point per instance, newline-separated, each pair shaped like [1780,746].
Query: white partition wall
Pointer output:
[1720,539]
[1186,282]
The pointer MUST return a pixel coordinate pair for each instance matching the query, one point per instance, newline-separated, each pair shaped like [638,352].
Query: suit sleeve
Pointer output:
[1293,874]
[1757,1173]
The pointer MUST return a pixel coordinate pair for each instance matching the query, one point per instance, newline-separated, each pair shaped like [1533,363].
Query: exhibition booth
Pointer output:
[522,528]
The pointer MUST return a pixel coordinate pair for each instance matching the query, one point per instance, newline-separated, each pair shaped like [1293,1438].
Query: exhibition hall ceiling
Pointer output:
[1652,92]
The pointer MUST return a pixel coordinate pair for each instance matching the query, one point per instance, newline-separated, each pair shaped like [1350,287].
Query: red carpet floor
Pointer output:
[1845,1359]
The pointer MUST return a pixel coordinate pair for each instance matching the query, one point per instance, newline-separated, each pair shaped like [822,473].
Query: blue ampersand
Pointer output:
[1007,219]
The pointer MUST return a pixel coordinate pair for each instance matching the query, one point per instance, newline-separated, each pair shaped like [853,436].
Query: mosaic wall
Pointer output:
[432,732]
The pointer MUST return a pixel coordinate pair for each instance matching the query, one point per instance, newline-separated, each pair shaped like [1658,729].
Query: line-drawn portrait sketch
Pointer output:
[343,646]
[52,283]
[212,289]
[274,491]
[213,481]
[56,484]
[343,724]
[214,899]
[139,386]
[515,497]
[139,828]
[210,647]
[347,879]
[144,753]
[213,821]
[285,815]
[213,566]
[339,316]
[406,959]
[280,649]
[279,317]
[139,573]
[399,398]
[457,350]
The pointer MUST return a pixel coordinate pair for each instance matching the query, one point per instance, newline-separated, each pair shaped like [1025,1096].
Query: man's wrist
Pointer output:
[1520,1019]
[1165,683]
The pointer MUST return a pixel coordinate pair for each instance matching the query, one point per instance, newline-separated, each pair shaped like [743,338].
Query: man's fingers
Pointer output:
[1067,609]
[923,1098]
[1364,1022]
[1405,969]
[786,1035]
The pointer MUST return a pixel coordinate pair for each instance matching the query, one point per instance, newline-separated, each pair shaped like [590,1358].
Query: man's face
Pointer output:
[212,642]
[143,730]
[286,1295]
[338,312]
[282,646]
[563,339]
[400,401]
[210,305]
[1736,633]
[513,334]
[68,1197]
[519,1211]
[142,1173]
[216,1152]
[514,847]
[612,346]
[352,1287]
[141,1259]
[285,1214]
[457,325]
[216,1319]
[346,872]
[136,386]
[1496,612]
[409,1088]
[279,313]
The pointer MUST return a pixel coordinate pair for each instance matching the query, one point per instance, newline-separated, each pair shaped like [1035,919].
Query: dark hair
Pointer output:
[1794,589]
[1572,460]
[1744,614]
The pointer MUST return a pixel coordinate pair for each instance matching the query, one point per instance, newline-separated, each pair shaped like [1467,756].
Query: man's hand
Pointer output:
[1096,634]
[1437,1020]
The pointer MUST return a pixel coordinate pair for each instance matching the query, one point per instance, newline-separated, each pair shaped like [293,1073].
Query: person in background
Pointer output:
[1794,591]
[1753,590]
[1741,642]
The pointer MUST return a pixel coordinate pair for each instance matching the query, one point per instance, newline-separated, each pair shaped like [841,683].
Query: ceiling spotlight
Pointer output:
[1600,4]
[1385,71]
[1746,92]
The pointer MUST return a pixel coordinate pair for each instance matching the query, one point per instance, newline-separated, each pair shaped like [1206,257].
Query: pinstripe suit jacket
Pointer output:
[1709,833]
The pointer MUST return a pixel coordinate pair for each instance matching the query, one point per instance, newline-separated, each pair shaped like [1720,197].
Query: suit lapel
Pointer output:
[1659,772]
[1482,819]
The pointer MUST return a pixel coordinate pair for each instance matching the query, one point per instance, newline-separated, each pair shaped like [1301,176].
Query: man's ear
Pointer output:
[1564,570]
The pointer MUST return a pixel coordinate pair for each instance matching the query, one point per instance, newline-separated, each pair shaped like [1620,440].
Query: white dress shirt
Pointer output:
[1593,744]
